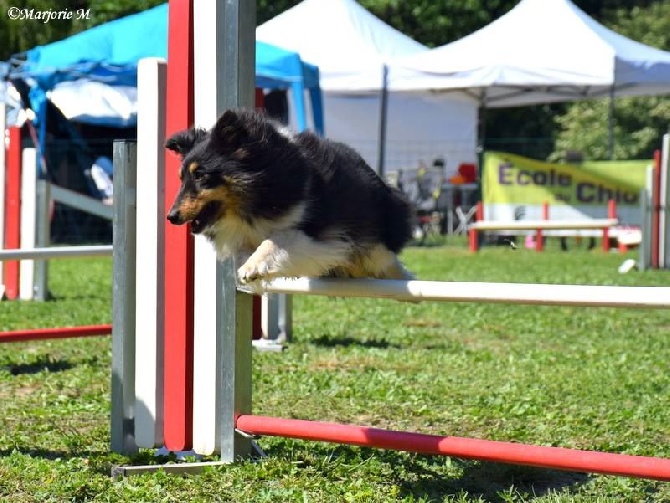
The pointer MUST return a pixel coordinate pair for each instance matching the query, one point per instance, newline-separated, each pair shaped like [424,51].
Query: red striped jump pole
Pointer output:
[12,210]
[178,316]
[483,450]
[37,334]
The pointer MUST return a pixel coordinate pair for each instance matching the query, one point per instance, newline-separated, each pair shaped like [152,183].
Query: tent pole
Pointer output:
[481,133]
[383,108]
[481,138]
[610,126]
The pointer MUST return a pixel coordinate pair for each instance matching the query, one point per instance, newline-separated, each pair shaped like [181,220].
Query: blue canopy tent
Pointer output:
[110,53]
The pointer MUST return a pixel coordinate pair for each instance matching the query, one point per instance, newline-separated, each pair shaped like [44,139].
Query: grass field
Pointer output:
[592,379]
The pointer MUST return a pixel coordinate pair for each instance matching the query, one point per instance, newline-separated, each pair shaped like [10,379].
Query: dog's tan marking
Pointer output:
[192,167]
[191,207]
[377,262]
[232,201]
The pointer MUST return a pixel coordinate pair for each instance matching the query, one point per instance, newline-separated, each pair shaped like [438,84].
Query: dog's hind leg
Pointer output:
[382,263]
[292,253]
[397,270]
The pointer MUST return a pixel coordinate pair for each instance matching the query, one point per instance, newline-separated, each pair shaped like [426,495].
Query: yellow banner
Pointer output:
[512,179]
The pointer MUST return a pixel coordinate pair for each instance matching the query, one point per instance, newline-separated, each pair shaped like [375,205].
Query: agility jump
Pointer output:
[205,343]
[232,440]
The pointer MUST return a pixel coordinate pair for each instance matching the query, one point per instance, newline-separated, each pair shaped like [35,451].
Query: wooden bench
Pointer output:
[539,225]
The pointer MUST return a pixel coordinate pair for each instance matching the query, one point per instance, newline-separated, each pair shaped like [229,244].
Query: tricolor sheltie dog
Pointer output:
[286,204]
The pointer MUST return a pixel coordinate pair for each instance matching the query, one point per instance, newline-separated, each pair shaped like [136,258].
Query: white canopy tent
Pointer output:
[539,52]
[352,47]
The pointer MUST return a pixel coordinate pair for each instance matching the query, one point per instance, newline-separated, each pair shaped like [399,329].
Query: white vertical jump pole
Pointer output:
[28,220]
[3,167]
[664,201]
[207,107]
[224,73]
[122,434]
[646,203]
[151,91]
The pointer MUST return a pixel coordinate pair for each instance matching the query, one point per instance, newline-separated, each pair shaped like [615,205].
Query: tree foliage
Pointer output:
[638,123]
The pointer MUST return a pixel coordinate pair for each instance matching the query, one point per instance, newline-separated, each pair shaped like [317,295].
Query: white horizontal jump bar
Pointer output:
[55,252]
[512,293]
[492,225]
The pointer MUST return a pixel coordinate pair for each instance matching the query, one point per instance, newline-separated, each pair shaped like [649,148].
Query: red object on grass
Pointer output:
[483,450]
[36,334]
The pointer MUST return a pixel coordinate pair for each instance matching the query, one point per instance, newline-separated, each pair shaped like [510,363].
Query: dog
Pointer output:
[287,204]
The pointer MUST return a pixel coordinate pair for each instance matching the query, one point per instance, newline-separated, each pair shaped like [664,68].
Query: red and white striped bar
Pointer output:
[483,450]
[500,293]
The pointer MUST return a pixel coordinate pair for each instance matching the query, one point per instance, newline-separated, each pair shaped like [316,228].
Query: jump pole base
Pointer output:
[190,468]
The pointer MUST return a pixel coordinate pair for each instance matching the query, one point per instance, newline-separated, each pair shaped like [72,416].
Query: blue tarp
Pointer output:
[110,52]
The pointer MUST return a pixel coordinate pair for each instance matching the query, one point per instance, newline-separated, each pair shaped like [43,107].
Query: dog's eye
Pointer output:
[198,175]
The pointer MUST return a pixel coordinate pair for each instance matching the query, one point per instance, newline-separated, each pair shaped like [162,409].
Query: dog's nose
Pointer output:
[174,217]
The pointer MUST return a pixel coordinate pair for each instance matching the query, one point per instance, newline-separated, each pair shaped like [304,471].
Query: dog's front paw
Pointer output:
[251,273]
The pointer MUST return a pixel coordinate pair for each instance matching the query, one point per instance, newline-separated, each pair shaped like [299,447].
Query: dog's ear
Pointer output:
[184,141]
[230,131]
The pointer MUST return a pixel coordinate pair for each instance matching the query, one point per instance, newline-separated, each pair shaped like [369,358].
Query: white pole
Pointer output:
[122,435]
[664,201]
[581,224]
[43,238]
[207,64]
[151,89]
[28,220]
[512,293]
[52,252]
[224,69]
[646,220]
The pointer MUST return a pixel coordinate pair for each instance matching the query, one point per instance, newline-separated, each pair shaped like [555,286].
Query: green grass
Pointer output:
[593,379]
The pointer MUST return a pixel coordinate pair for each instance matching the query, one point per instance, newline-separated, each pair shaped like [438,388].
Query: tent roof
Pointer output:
[94,72]
[540,51]
[346,42]
[109,52]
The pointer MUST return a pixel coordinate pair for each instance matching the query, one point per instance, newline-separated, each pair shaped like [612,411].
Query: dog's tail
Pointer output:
[397,220]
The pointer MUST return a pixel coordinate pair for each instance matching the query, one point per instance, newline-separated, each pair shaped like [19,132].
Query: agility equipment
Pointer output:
[604,224]
[216,396]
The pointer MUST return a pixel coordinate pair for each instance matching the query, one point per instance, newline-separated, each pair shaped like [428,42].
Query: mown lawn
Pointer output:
[585,378]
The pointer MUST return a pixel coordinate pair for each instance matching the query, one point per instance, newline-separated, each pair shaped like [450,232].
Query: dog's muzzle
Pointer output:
[174,217]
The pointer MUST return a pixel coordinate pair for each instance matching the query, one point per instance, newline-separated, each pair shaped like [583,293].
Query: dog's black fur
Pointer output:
[290,204]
